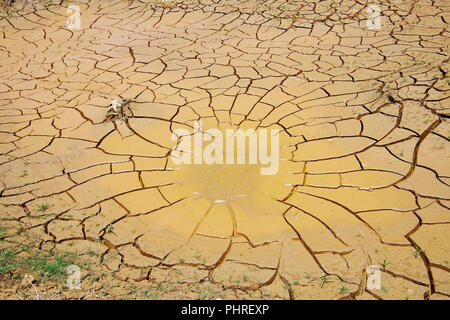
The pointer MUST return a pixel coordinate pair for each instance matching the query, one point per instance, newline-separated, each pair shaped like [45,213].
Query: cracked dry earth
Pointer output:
[364,139]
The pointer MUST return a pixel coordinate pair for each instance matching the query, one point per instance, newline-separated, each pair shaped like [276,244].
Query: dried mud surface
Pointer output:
[364,127]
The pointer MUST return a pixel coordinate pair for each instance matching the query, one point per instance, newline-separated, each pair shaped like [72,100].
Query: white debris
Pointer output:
[115,106]
[116,109]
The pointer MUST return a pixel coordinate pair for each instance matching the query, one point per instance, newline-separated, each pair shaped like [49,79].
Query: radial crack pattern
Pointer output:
[364,136]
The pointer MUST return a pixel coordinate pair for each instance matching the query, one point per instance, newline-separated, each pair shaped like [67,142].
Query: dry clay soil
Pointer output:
[364,135]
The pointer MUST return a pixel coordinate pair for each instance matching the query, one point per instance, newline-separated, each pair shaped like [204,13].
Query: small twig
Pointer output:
[35,290]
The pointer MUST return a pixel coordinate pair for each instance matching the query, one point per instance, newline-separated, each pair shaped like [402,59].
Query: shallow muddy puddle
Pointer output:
[357,177]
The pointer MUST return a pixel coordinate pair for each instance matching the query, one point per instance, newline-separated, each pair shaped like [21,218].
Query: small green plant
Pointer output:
[53,270]
[287,287]
[417,252]
[181,260]
[385,264]
[150,294]
[110,228]
[343,289]
[43,206]
[323,279]
[296,282]
[390,98]
[7,262]
[2,231]
[25,173]
[385,290]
